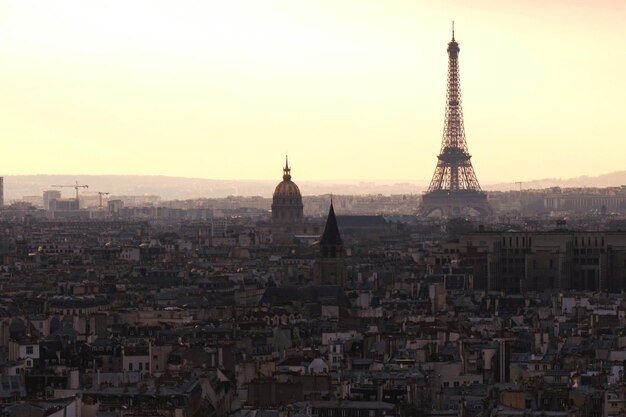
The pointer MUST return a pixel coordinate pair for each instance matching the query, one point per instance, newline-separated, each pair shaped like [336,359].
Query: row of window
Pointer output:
[140,366]
[595,241]
[458,384]
[523,241]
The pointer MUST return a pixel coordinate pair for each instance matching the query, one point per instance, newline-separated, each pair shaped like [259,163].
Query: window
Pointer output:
[130,366]
[29,350]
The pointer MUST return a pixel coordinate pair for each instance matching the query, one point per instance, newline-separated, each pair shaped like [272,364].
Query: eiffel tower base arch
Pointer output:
[451,203]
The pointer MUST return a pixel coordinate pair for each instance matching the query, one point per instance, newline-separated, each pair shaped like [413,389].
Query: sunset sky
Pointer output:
[351,89]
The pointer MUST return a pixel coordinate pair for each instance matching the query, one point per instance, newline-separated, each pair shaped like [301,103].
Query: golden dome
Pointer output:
[287,188]
[287,201]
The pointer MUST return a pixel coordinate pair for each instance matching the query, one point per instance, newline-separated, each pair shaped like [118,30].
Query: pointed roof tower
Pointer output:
[331,234]
[286,170]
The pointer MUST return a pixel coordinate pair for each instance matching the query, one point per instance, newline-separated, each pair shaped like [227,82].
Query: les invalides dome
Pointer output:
[287,200]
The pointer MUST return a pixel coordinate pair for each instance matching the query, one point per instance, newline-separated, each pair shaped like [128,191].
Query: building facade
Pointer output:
[535,261]
[49,196]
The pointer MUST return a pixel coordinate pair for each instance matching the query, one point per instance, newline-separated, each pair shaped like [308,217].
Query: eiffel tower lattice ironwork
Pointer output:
[454,189]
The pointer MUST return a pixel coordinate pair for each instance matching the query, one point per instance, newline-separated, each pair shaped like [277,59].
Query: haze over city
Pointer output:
[351,90]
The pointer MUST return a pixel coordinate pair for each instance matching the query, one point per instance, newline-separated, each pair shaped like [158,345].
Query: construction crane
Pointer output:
[100,194]
[75,186]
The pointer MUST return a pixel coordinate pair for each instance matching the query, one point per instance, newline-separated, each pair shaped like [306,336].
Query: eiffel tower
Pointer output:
[454,190]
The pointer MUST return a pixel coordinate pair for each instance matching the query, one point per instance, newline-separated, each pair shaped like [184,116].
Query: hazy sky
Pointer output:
[349,88]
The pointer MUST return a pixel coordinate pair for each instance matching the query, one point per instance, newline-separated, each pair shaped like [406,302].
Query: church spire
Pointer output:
[331,234]
[286,170]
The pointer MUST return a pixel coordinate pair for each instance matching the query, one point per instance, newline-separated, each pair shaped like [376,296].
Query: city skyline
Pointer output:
[224,90]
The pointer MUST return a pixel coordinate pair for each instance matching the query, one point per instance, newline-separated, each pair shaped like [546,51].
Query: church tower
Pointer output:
[330,265]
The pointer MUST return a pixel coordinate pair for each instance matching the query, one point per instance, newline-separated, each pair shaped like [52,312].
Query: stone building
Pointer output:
[563,260]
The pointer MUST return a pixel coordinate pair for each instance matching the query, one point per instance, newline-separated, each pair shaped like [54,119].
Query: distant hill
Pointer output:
[172,188]
[612,179]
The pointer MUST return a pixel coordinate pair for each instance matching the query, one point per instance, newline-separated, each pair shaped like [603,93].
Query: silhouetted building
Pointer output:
[64,204]
[1,191]
[564,260]
[586,200]
[287,201]
[114,206]
[287,209]
[48,196]
[330,266]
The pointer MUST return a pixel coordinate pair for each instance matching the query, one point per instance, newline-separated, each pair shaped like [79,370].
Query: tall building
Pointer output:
[115,206]
[287,201]
[1,191]
[454,189]
[48,196]
[219,227]
[330,264]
